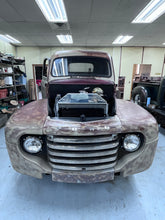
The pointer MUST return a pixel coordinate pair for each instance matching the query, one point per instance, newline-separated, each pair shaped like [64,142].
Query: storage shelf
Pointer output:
[20,85]
[9,64]
[6,74]
[5,87]
[18,62]
[12,61]
[9,97]
[5,63]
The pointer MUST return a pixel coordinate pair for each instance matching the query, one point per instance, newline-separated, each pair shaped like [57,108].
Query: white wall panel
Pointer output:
[6,47]
[154,56]
[130,56]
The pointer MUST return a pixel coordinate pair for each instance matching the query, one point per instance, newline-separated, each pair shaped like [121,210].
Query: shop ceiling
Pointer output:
[91,23]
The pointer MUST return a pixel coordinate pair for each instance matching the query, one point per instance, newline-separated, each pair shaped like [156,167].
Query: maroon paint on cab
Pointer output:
[81,81]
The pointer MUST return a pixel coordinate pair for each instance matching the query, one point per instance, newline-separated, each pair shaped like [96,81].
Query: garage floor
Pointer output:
[141,196]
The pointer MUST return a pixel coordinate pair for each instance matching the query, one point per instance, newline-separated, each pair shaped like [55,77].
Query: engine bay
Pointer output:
[81,101]
[81,105]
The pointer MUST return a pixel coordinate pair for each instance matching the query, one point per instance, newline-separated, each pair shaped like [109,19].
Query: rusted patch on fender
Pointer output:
[28,120]
[29,165]
[136,119]
[137,162]
[32,114]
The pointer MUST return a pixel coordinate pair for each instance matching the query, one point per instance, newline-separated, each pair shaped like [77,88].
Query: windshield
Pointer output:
[81,66]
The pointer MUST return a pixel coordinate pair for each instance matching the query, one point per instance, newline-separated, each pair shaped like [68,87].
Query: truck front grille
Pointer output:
[82,153]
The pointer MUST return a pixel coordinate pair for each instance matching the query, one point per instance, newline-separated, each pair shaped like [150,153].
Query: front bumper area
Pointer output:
[83,177]
[129,164]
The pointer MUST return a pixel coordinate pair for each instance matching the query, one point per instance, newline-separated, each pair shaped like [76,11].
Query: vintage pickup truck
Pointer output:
[81,133]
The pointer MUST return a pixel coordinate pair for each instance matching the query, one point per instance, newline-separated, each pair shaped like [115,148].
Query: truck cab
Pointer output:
[86,78]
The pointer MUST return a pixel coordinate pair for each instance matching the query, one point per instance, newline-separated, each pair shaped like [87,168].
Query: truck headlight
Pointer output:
[131,142]
[32,145]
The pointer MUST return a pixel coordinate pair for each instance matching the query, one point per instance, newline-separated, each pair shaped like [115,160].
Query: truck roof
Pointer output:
[81,53]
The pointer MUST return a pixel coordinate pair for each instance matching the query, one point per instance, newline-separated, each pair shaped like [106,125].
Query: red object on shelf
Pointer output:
[38,82]
[22,102]
[3,93]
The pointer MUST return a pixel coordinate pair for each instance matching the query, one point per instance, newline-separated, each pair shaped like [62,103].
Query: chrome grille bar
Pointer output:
[82,147]
[85,139]
[82,154]
[83,167]
[82,161]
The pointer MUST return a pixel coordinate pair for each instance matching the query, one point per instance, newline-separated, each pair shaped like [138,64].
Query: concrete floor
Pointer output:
[141,196]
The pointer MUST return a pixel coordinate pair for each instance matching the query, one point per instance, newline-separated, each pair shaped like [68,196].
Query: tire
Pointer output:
[139,95]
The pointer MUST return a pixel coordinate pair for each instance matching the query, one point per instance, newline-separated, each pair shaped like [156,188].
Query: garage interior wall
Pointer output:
[7,48]
[123,59]
[128,55]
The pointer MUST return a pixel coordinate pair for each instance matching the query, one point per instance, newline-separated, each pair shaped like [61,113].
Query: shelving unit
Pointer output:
[19,87]
[12,90]
[7,98]
[5,65]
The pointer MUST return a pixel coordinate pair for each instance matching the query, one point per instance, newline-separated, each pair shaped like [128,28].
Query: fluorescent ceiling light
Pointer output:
[12,39]
[9,39]
[65,39]
[53,10]
[151,12]
[122,39]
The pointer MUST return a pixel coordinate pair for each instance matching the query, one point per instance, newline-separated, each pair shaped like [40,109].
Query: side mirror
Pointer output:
[44,81]
[44,68]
